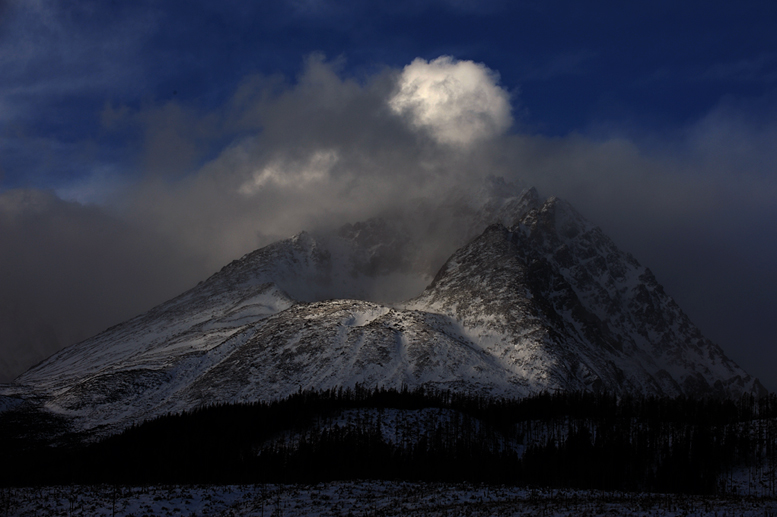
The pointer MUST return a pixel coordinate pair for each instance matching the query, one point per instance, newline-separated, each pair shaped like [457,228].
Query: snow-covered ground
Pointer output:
[362,498]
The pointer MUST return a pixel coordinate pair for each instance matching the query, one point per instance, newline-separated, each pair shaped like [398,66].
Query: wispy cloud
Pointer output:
[761,68]
[51,50]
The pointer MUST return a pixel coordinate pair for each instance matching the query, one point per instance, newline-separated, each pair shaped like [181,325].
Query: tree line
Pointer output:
[581,440]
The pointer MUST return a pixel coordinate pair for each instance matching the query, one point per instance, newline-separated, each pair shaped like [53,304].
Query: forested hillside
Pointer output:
[580,440]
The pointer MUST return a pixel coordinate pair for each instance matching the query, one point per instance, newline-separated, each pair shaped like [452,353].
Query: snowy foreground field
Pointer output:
[362,499]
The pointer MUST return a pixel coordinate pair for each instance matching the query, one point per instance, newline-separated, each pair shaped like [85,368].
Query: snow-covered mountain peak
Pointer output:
[537,299]
[591,307]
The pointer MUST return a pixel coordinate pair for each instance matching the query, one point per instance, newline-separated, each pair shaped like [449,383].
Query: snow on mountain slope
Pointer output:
[541,300]
[344,342]
[317,345]
[558,300]
[130,370]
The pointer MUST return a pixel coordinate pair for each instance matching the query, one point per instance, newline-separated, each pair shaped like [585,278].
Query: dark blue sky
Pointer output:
[658,120]
[572,67]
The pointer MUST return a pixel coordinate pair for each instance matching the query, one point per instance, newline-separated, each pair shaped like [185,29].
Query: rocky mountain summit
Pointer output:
[567,310]
[537,299]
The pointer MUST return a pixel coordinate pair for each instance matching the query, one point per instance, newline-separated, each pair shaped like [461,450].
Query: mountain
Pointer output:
[565,309]
[538,300]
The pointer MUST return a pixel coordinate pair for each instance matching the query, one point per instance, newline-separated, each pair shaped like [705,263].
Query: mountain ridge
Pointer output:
[539,300]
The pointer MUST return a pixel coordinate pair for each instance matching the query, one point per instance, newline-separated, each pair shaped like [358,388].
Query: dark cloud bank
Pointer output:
[697,207]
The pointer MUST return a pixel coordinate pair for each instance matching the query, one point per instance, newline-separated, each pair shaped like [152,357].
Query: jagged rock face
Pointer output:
[598,319]
[542,300]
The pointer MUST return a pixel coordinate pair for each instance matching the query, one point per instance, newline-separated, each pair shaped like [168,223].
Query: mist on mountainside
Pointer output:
[411,149]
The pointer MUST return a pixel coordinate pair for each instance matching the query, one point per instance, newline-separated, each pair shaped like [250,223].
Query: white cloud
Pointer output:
[298,173]
[457,102]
